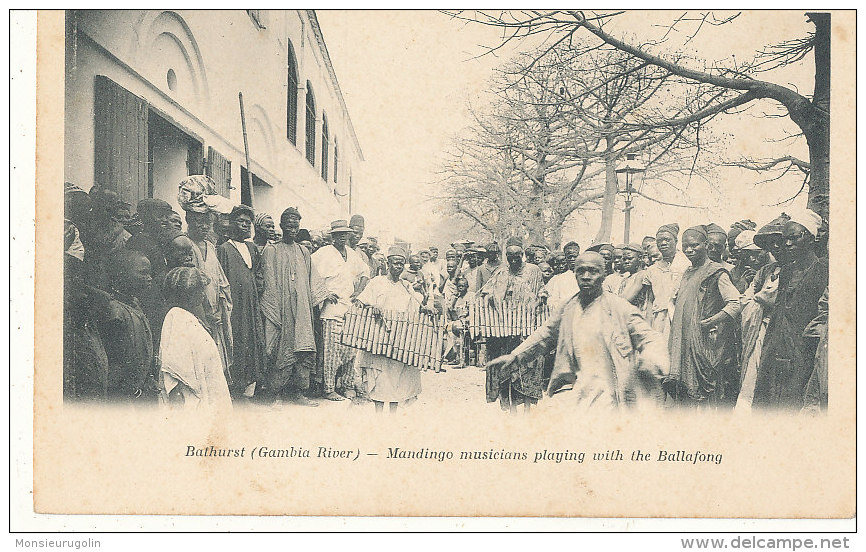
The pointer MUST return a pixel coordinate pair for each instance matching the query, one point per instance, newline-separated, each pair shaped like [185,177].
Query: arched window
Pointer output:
[336,158]
[325,140]
[292,97]
[311,125]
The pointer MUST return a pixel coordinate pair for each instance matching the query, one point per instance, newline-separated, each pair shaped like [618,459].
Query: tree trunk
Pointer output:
[817,127]
[819,175]
[609,201]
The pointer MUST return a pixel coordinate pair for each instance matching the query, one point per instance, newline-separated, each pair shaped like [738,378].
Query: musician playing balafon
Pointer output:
[513,283]
[388,380]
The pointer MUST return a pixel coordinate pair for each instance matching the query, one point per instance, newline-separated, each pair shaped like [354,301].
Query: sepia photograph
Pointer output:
[544,263]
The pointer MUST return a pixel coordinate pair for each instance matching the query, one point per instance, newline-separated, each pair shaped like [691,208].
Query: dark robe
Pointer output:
[151,299]
[787,358]
[85,364]
[248,364]
[817,388]
[704,362]
[128,345]
[287,306]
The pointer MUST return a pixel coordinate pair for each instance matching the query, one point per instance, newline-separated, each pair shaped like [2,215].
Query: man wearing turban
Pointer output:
[784,297]
[265,230]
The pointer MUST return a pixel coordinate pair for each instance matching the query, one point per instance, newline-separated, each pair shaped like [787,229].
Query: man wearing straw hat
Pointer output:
[388,380]
[345,274]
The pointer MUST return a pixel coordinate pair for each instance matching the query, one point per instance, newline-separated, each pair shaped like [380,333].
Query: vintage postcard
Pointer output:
[571,264]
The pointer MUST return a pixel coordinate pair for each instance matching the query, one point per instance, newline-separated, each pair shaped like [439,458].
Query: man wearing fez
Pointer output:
[241,263]
[717,244]
[345,274]
[597,336]
[516,282]
[356,223]
[287,307]
[388,380]
[108,235]
[789,291]
[703,338]
[661,279]
[606,251]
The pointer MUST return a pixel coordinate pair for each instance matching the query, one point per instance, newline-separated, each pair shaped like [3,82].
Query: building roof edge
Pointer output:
[314,25]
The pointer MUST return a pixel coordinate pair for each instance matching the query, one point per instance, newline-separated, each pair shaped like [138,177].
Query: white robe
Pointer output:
[189,358]
[389,380]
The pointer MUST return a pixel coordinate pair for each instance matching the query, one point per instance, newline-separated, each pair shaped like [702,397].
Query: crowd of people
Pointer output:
[239,307]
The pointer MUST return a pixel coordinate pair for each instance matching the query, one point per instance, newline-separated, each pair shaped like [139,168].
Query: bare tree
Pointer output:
[722,87]
[549,143]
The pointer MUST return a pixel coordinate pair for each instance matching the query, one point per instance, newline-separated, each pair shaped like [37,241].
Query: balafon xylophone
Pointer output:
[413,338]
[505,319]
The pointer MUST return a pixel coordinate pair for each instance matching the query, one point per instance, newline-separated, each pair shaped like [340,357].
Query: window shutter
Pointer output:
[120,141]
[292,98]
[310,125]
[220,170]
[325,148]
[336,160]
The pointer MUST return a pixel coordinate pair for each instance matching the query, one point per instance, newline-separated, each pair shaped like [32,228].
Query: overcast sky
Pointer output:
[408,76]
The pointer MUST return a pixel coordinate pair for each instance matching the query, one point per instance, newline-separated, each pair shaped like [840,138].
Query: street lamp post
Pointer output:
[630,167]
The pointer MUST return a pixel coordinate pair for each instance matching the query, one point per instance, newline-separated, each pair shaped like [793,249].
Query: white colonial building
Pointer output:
[152,96]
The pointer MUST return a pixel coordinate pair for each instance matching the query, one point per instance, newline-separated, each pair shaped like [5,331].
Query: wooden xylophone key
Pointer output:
[392,336]
[422,343]
[410,336]
[521,313]
[404,338]
[378,334]
[389,346]
[416,339]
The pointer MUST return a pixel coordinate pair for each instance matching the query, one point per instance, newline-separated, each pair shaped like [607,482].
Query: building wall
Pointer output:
[190,66]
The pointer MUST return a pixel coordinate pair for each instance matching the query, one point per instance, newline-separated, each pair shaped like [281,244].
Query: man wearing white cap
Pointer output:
[750,258]
[388,380]
[777,357]
[345,274]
